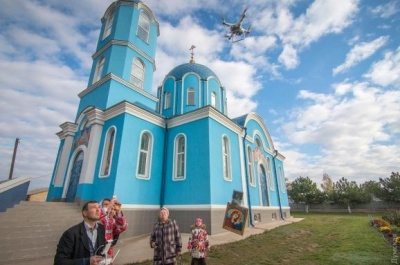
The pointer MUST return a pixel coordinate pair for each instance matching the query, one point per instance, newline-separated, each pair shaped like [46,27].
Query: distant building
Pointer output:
[177,149]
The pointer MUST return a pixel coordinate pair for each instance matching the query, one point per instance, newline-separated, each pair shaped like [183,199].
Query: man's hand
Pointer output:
[94,260]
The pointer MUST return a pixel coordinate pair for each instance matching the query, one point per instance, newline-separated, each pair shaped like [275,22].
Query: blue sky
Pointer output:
[324,75]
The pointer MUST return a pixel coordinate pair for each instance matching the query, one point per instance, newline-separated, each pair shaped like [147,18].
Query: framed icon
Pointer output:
[235,218]
[237,197]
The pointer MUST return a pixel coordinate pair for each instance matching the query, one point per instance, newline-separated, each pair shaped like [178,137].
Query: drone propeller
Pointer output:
[248,30]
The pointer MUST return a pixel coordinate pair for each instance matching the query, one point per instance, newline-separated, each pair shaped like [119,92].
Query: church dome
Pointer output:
[203,71]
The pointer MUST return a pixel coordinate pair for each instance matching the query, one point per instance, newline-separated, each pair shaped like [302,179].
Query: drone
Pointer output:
[236,29]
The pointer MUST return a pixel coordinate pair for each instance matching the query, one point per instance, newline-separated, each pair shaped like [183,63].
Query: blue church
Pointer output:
[177,149]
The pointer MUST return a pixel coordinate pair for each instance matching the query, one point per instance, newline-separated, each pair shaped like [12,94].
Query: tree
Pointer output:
[327,185]
[349,193]
[372,187]
[304,190]
[390,188]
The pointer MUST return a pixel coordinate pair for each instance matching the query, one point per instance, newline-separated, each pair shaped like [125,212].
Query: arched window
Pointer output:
[167,100]
[213,99]
[109,23]
[269,175]
[190,96]
[250,165]
[108,153]
[99,69]
[144,156]
[226,160]
[263,186]
[282,178]
[258,143]
[143,27]
[180,158]
[137,73]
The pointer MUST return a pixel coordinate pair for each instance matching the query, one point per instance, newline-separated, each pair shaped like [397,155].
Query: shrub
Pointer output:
[392,216]
[379,222]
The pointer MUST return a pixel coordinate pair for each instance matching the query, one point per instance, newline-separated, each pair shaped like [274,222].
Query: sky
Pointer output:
[324,76]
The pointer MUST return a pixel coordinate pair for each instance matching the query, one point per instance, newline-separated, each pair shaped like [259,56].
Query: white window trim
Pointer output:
[109,24]
[190,89]
[133,76]
[145,16]
[175,170]
[99,69]
[148,158]
[228,160]
[167,100]
[105,147]
[250,165]
[269,175]
[282,178]
[213,98]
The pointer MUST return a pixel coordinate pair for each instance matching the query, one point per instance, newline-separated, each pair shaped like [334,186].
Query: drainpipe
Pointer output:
[164,168]
[247,177]
[277,185]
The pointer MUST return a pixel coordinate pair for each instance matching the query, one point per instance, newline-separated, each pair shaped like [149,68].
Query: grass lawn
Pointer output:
[318,239]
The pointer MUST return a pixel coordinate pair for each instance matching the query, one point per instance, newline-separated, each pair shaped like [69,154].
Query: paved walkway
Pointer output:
[136,249]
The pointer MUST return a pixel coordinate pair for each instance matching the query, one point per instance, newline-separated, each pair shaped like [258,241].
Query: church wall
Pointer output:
[122,180]
[168,86]
[127,28]
[95,97]
[253,127]
[194,189]
[213,86]
[119,92]
[222,189]
[282,186]
[129,188]
[190,81]
[149,69]
[104,97]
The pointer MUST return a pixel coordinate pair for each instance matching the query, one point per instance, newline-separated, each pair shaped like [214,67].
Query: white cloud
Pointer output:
[353,127]
[386,72]
[360,52]
[289,57]
[386,10]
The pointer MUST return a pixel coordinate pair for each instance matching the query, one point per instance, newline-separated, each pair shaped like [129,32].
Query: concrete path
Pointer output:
[136,249]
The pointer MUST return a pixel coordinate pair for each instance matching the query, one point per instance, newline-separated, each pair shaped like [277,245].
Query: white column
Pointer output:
[67,134]
[96,120]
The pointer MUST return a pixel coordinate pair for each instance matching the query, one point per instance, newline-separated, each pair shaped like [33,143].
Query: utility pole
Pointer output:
[13,158]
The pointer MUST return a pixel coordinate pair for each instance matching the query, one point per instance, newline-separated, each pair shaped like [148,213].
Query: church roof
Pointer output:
[203,71]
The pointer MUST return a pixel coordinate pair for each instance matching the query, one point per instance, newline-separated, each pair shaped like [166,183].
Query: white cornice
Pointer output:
[202,113]
[125,43]
[67,129]
[119,80]
[95,116]
[126,107]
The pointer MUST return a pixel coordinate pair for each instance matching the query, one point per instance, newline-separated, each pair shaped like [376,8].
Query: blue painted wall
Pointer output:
[13,196]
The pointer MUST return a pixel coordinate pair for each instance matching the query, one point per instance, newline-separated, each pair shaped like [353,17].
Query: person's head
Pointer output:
[91,211]
[198,222]
[105,202]
[163,214]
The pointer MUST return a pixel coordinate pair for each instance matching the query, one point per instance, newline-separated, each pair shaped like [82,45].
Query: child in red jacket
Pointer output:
[198,243]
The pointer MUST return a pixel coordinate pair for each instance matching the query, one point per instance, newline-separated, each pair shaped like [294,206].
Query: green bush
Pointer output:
[393,217]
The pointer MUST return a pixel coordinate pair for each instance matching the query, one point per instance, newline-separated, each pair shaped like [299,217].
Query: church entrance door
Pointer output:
[263,186]
[74,178]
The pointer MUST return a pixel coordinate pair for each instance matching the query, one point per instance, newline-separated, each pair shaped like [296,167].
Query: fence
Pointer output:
[372,207]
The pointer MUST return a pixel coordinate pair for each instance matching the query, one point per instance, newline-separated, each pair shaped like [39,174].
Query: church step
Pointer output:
[31,230]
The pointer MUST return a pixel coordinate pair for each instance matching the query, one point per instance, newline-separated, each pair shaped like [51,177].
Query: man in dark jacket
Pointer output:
[83,243]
